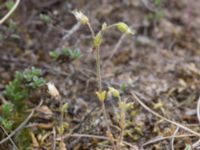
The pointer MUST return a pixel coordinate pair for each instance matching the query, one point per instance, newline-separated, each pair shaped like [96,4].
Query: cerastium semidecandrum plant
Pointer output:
[101,94]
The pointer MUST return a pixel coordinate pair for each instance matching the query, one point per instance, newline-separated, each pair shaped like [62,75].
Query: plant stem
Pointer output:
[122,127]
[98,67]
[98,71]
[91,30]
[122,121]
[98,63]
[107,125]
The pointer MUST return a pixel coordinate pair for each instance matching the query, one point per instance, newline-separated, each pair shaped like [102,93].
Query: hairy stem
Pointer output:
[98,62]
[98,71]
[91,30]
[98,67]
[107,125]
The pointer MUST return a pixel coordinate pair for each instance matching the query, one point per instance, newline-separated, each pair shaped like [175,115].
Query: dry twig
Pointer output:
[54,138]
[72,30]
[13,143]
[158,139]
[10,12]
[168,120]
[198,109]
[117,45]
[174,134]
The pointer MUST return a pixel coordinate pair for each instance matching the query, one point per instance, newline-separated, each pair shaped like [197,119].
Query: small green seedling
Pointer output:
[45,18]
[9,4]
[65,53]
[54,55]
[72,54]
[157,2]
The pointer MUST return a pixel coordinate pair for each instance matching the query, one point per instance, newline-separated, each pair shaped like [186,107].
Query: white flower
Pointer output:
[52,90]
[83,19]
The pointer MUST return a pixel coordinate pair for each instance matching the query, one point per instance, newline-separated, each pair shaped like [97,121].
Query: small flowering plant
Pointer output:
[101,94]
[97,38]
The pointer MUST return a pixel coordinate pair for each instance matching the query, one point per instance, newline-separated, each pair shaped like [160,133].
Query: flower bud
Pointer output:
[122,27]
[97,40]
[104,26]
[83,19]
[52,90]
[101,96]
[114,92]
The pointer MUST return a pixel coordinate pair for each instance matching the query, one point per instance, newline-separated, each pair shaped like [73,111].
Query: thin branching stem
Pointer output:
[91,30]
[98,71]
[98,62]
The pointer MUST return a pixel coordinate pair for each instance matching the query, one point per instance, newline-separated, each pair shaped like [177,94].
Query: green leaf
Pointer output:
[72,54]
[157,2]
[54,55]
[123,87]
[45,18]
[9,4]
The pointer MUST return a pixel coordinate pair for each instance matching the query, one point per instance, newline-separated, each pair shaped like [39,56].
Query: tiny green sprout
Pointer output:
[97,40]
[54,55]
[45,18]
[9,4]
[83,19]
[123,87]
[114,92]
[72,54]
[124,28]
[12,25]
[101,96]
[157,2]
